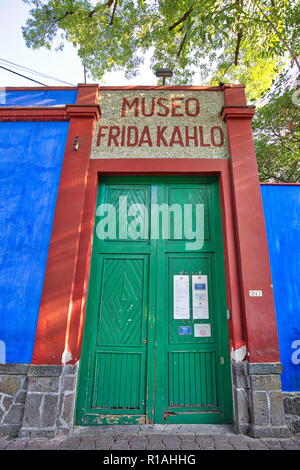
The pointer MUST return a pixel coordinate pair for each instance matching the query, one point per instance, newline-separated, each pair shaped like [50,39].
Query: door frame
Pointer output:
[150,358]
[219,168]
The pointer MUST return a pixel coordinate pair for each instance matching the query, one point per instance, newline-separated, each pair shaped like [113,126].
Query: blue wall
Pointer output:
[31,155]
[282,215]
[37,98]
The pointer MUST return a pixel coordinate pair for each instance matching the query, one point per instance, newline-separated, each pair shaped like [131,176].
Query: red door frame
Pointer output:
[62,311]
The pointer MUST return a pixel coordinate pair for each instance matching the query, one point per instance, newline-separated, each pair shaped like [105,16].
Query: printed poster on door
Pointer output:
[200,297]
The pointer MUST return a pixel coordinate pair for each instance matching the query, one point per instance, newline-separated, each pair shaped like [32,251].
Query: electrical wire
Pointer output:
[31,79]
[28,70]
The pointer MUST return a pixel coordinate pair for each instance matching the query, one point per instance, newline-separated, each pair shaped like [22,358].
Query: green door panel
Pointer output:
[137,366]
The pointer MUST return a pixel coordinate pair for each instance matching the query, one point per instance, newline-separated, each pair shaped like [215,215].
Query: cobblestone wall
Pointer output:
[37,400]
[291,403]
[258,400]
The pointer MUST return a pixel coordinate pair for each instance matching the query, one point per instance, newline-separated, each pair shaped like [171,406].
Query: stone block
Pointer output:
[264,368]
[70,369]
[49,411]
[260,409]
[276,409]
[44,384]
[45,371]
[10,429]
[68,408]
[292,403]
[15,415]
[21,397]
[240,376]
[241,406]
[13,369]
[265,382]
[48,433]
[7,402]
[260,431]
[10,385]
[281,431]
[68,383]
[32,410]
[269,431]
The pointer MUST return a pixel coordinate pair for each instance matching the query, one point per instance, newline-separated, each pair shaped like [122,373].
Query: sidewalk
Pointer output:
[151,437]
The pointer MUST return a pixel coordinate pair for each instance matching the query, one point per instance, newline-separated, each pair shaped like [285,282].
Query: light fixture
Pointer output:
[163,72]
[76,144]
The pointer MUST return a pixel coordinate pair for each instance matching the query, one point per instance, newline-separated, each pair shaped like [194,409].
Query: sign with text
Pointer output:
[160,124]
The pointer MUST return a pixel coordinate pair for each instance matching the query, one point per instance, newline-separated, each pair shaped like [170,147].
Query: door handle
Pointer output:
[145,341]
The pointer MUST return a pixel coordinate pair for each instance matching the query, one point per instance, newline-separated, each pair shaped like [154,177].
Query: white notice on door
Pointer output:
[181,297]
[202,330]
[200,297]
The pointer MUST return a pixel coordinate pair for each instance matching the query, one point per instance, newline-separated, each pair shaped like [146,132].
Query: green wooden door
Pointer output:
[155,347]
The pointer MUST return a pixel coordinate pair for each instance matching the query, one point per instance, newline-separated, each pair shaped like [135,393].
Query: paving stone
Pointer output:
[34,444]
[273,444]
[138,442]
[120,444]
[256,444]
[205,442]
[70,443]
[172,442]
[3,442]
[16,444]
[52,444]
[238,442]
[155,443]
[222,443]
[104,442]
[289,444]
[189,444]
[86,443]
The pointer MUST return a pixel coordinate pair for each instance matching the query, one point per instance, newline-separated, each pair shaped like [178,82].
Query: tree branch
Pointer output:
[57,20]
[113,13]
[181,45]
[237,49]
[182,19]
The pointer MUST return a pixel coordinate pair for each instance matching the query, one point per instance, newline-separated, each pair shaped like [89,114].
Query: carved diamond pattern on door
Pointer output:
[121,305]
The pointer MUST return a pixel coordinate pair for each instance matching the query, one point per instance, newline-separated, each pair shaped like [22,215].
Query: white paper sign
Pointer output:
[202,330]
[200,297]
[181,297]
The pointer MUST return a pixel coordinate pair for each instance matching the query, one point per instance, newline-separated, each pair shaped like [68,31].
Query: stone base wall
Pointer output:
[291,401]
[37,400]
[258,400]
[40,400]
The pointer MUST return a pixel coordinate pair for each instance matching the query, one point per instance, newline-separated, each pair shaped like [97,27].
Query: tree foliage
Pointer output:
[225,40]
[236,41]
[277,139]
